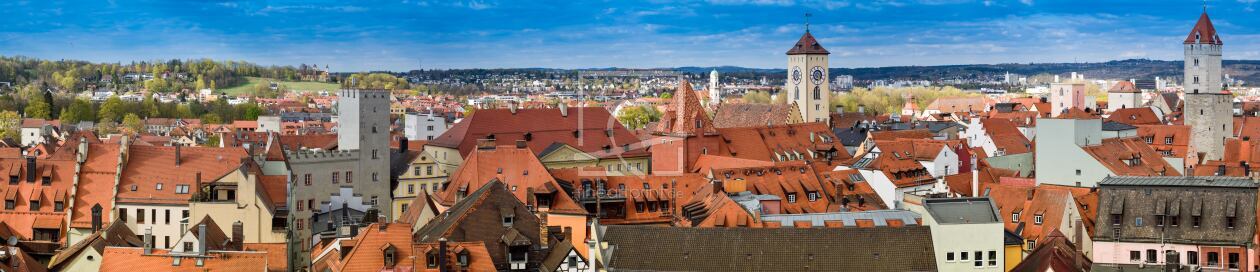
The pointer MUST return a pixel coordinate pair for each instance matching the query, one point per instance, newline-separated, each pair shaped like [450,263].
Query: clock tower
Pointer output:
[807,84]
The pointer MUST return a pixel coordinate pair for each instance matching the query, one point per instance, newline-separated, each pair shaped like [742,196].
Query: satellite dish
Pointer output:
[13,240]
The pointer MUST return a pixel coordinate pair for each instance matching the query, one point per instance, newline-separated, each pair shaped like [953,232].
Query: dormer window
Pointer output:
[1015,217]
[791,197]
[431,260]
[1037,219]
[389,255]
[813,196]
[462,258]
[508,219]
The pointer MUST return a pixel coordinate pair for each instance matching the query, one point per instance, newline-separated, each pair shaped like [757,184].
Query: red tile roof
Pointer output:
[516,167]
[1203,32]
[96,184]
[768,143]
[133,259]
[1117,155]
[1135,116]
[807,45]
[1047,201]
[1124,86]
[276,259]
[685,116]
[1158,136]
[478,256]
[147,166]
[584,128]
[368,253]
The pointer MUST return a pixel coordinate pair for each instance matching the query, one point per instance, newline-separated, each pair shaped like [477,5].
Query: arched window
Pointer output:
[817,93]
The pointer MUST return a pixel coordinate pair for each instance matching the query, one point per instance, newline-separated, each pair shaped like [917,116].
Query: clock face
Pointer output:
[796,75]
[817,74]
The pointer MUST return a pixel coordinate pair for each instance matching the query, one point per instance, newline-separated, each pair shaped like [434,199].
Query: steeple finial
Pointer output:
[807,15]
[1204,6]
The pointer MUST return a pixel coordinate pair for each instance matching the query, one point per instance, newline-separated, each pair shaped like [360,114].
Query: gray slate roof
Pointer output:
[967,210]
[1186,181]
[650,248]
[1116,126]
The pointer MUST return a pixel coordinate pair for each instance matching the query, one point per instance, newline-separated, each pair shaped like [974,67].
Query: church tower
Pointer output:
[1208,108]
[807,80]
[715,93]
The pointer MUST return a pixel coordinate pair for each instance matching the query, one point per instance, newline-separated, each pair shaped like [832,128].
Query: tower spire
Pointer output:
[807,15]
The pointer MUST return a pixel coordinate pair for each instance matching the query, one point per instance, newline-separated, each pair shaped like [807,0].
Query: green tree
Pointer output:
[133,123]
[9,121]
[211,118]
[638,117]
[667,95]
[37,107]
[112,110]
[758,97]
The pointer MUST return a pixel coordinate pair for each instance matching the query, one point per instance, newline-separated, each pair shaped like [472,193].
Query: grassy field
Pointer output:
[300,86]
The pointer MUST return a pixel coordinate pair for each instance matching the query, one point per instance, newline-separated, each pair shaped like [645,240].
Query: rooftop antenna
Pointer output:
[807,15]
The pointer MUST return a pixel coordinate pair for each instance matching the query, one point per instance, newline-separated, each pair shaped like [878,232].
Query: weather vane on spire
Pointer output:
[807,15]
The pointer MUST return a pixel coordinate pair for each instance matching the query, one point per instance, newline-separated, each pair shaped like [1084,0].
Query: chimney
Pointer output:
[96,217]
[177,157]
[718,186]
[861,108]
[1031,193]
[861,201]
[238,235]
[487,144]
[1246,169]
[201,239]
[402,144]
[520,144]
[512,107]
[442,255]
[975,183]
[197,182]
[30,169]
[381,225]
[564,109]
[148,241]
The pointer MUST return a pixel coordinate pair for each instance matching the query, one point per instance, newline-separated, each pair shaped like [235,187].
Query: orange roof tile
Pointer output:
[1135,116]
[148,166]
[133,259]
[516,167]
[1119,154]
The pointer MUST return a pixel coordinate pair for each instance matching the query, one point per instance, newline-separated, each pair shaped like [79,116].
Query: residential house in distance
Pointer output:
[1123,95]
[967,233]
[1065,96]
[1190,223]
[38,131]
[649,248]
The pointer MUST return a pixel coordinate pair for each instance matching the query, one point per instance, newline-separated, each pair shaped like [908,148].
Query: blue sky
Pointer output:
[403,34]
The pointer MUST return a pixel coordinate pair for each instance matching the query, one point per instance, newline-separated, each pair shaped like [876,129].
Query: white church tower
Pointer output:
[807,80]
[715,93]
[1209,107]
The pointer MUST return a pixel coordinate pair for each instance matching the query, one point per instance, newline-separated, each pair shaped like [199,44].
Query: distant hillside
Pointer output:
[1248,70]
